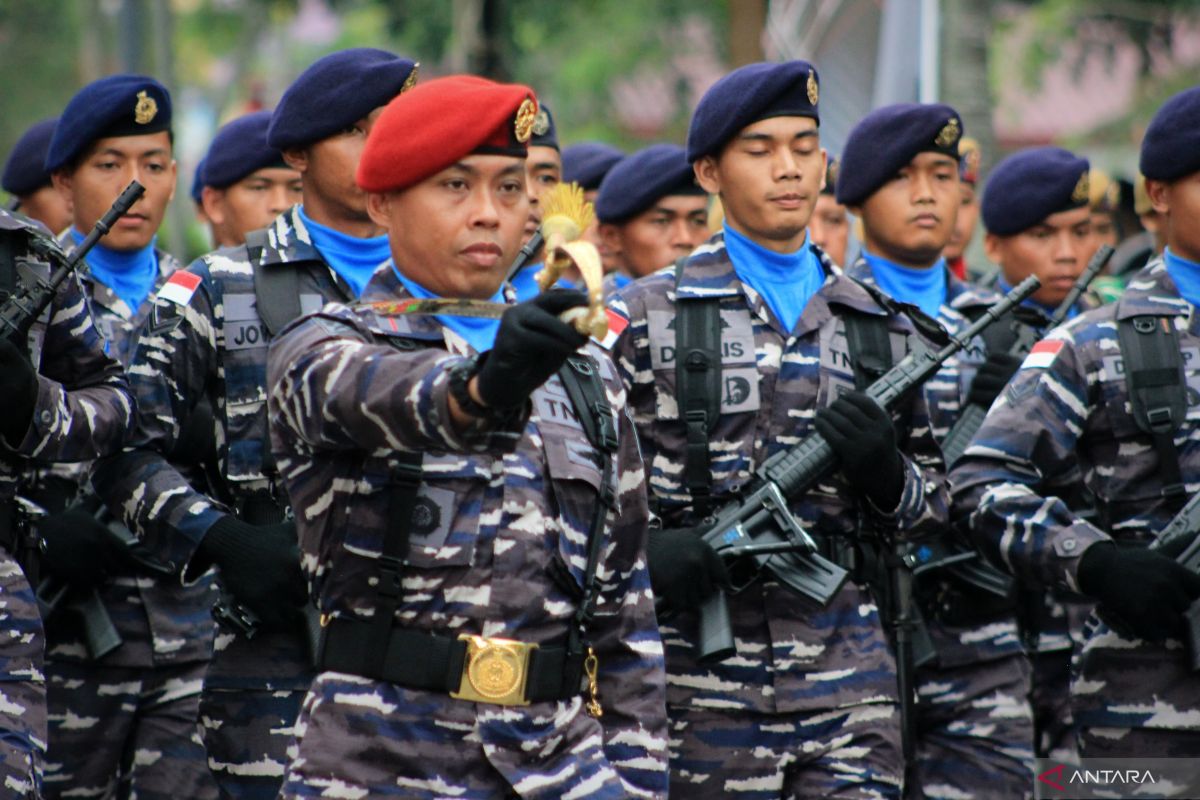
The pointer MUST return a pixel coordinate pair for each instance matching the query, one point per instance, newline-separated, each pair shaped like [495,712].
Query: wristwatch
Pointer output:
[460,375]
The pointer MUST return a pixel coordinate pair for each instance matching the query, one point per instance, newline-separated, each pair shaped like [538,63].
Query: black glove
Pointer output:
[1145,591]
[18,392]
[260,567]
[77,547]
[684,570]
[531,345]
[864,439]
[993,375]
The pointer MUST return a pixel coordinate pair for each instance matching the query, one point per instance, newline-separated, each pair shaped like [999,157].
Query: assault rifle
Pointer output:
[761,516]
[19,311]
[1181,540]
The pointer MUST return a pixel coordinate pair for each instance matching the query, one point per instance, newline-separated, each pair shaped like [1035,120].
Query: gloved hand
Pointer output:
[531,345]
[1147,591]
[260,567]
[18,392]
[991,378]
[864,439]
[684,570]
[77,548]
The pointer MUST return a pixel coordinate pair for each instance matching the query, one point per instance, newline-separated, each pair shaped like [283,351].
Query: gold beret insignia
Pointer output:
[814,91]
[948,135]
[146,109]
[523,125]
[541,123]
[1080,193]
[411,80]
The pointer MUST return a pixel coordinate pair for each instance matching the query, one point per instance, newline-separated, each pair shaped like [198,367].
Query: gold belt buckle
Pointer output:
[495,671]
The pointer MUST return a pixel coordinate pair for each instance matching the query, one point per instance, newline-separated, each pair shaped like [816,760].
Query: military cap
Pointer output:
[886,140]
[749,94]
[544,132]
[198,184]
[119,105]
[25,171]
[832,166]
[432,126]
[1171,146]
[337,91]
[240,148]
[1029,186]
[638,181]
[970,158]
[587,163]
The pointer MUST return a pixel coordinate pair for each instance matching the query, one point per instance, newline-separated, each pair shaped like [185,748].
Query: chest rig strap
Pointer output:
[276,290]
[1157,392]
[697,386]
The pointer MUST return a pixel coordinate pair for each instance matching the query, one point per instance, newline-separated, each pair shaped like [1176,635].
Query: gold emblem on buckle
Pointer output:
[495,671]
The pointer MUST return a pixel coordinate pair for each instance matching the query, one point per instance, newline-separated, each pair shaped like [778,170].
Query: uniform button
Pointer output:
[1068,545]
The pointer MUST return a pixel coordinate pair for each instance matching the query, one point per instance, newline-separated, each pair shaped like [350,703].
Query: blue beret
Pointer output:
[198,183]
[240,148]
[886,140]
[119,105]
[25,171]
[1029,186]
[587,163]
[638,181]
[544,132]
[337,91]
[749,94]
[1171,146]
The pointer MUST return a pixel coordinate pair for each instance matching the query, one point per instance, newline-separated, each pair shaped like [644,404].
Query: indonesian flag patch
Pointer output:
[180,287]
[616,324]
[1043,354]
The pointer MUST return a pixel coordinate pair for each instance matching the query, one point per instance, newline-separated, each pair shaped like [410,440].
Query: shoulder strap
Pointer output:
[1157,393]
[869,345]
[697,386]
[277,289]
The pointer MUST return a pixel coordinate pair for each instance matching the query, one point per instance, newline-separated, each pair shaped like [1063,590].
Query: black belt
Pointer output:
[472,668]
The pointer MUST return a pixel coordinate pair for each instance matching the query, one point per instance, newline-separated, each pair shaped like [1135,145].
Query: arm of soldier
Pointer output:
[1027,445]
[631,353]
[924,506]
[174,365]
[84,408]
[336,389]
[625,635]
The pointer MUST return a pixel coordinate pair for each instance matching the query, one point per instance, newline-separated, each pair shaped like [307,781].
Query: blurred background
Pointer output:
[1086,74]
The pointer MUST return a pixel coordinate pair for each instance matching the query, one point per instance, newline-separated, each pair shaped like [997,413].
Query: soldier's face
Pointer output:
[48,206]
[830,228]
[457,232]
[964,227]
[251,203]
[104,172]
[608,259]
[1056,251]
[331,195]
[543,170]
[674,227]
[1177,213]
[768,178]
[1104,230]
[910,218]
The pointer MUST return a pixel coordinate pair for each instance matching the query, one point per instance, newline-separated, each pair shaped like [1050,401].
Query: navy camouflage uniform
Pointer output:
[209,343]
[1071,411]
[129,717]
[501,554]
[808,706]
[83,411]
[975,722]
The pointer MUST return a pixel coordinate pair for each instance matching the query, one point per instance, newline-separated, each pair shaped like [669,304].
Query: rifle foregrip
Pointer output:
[800,468]
[964,430]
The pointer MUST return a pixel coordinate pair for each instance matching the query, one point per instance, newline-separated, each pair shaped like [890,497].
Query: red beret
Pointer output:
[437,123]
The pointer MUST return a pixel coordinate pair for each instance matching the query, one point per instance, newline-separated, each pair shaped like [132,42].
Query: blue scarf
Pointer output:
[479,332]
[621,280]
[1186,275]
[129,273]
[923,288]
[1048,311]
[786,281]
[352,258]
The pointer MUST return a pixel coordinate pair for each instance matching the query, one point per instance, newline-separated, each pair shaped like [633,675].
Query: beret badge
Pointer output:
[541,123]
[1080,193]
[146,109]
[814,91]
[526,115]
[948,135]
[411,80]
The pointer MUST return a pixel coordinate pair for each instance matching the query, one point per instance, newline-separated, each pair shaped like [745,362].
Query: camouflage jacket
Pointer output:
[791,654]
[504,552]
[206,341]
[159,622]
[1068,408]
[992,636]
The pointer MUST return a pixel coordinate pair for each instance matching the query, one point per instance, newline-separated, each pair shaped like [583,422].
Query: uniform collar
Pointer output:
[1152,291]
[289,242]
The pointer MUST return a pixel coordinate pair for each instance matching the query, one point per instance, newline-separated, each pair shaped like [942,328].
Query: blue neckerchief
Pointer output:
[786,281]
[923,288]
[479,332]
[621,280]
[1029,302]
[354,259]
[130,274]
[523,282]
[1185,274]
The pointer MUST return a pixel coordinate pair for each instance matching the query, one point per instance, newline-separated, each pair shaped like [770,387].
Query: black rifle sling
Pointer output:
[697,386]
[276,289]
[581,379]
[869,345]
[1157,392]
